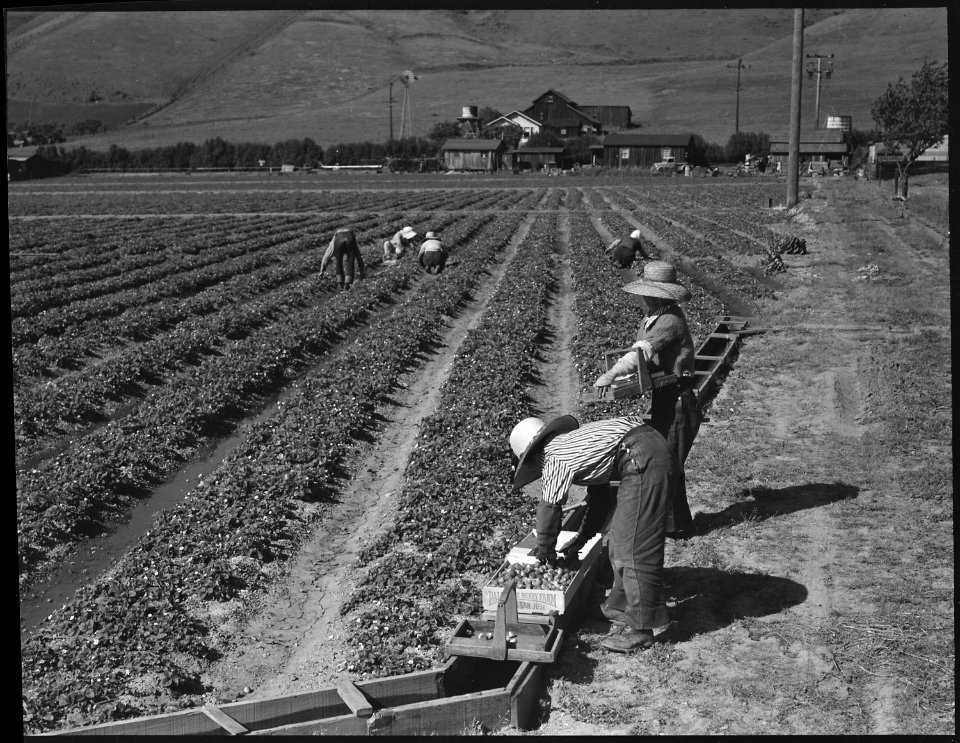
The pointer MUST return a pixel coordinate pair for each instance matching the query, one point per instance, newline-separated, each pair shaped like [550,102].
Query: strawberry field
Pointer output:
[153,317]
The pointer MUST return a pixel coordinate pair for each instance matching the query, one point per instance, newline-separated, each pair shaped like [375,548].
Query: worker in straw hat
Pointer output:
[623,251]
[561,453]
[665,342]
[397,245]
[344,251]
[432,255]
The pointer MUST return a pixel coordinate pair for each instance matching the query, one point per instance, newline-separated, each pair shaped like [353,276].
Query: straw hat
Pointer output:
[659,280]
[528,437]
[430,236]
[408,232]
[635,234]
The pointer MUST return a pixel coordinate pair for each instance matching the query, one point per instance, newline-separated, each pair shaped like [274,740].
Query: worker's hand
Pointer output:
[546,557]
[603,384]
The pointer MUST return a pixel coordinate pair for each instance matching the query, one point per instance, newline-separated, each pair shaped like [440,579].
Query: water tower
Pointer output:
[469,123]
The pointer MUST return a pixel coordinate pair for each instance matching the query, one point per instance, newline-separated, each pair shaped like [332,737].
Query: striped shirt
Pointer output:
[584,456]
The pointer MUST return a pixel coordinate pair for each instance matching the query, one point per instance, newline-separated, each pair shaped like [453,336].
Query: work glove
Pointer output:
[549,516]
[627,364]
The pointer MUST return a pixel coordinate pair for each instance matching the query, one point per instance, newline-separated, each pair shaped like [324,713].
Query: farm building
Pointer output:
[528,125]
[562,116]
[32,166]
[536,158]
[625,150]
[473,154]
[817,146]
[611,118]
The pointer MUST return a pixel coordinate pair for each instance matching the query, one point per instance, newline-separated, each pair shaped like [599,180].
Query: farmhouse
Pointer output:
[816,146]
[473,154]
[32,166]
[527,124]
[628,150]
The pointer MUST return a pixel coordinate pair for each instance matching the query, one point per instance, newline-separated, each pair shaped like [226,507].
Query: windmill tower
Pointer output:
[406,125]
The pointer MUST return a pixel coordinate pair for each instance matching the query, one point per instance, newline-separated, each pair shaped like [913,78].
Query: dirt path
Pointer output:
[294,643]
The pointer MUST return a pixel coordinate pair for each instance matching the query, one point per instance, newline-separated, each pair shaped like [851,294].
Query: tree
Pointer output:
[744,143]
[545,138]
[444,130]
[912,118]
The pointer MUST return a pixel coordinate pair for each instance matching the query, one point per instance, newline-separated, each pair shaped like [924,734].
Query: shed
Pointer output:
[32,166]
[818,145]
[473,154]
[624,150]
[535,158]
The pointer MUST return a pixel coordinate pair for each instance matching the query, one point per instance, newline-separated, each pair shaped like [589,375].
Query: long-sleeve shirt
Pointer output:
[429,246]
[667,343]
[584,456]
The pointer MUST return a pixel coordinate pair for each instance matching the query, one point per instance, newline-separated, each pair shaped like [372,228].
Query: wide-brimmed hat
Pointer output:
[635,234]
[659,280]
[408,232]
[528,437]
[430,236]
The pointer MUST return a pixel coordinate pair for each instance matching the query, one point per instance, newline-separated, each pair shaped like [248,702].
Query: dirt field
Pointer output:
[816,596]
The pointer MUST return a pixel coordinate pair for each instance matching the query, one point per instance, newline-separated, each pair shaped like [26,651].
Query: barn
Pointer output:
[561,116]
[611,118]
[628,150]
[473,154]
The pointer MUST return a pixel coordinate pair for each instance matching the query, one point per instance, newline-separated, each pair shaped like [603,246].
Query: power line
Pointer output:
[820,72]
[739,66]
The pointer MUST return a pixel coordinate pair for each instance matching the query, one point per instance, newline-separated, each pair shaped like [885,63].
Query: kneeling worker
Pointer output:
[397,245]
[432,254]
[562,453]
[624,251]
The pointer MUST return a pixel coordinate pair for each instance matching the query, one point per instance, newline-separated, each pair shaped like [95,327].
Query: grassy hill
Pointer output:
[265,76]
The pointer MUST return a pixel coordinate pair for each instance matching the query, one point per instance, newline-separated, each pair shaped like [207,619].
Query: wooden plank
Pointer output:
[524,690]
[353,697]
[224,720]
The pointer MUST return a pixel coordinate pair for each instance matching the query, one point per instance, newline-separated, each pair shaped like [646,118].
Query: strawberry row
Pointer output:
[457,512]
[74,494]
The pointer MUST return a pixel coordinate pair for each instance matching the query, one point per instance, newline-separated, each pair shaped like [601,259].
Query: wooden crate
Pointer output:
[541,601]
[465,696]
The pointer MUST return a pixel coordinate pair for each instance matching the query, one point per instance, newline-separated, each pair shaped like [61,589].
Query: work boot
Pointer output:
[628,641]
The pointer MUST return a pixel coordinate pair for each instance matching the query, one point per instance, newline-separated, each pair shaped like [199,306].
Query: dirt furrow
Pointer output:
[294,643]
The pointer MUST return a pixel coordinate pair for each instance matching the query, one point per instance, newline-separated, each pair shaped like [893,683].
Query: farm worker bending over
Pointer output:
[397,245]
[432,254]
[624,251]
[561,453]
[343,249]
[667,346]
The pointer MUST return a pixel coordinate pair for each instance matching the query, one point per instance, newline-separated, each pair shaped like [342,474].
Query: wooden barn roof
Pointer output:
[646,140]
[474,145]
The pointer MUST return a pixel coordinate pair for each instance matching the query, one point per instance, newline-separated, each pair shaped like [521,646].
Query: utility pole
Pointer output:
[739,66]
[391,110]
[819,73]
[793,164]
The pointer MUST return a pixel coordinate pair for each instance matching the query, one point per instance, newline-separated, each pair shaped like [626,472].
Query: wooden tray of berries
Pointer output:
[541,589]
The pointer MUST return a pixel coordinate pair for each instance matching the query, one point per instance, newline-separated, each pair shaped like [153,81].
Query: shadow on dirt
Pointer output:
[765,503]
[709,599]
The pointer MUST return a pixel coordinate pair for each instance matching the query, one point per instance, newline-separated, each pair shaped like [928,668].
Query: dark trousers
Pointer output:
[649,478]
[345,254]
[436,259]
[674,413]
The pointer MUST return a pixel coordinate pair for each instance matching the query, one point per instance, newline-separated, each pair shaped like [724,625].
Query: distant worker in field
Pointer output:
[665,342]
[562,453]
[397,245]
[345,253]
[623,251]
[432,254]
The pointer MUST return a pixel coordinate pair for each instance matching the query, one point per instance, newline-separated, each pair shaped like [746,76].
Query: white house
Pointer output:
[528,125]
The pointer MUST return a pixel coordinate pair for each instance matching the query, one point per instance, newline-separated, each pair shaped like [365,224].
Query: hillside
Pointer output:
[266,76]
